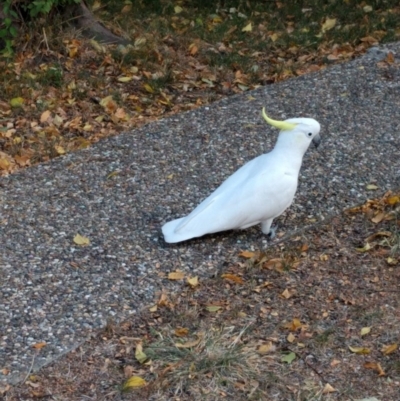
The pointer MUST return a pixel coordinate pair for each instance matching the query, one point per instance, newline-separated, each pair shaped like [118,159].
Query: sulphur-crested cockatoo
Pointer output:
[258,192]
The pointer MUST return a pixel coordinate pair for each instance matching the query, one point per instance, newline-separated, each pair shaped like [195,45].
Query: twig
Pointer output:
[30,369]
[236,340]
[45,40]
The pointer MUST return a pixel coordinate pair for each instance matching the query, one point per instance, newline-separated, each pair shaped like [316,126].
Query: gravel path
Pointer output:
[119,192]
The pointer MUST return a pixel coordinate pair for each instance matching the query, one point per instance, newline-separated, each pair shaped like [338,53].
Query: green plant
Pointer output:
[8,31]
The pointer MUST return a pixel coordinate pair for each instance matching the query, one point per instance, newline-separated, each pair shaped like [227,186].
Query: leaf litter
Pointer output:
[336,336]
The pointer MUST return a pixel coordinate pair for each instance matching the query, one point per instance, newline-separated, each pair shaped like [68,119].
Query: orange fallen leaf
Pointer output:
[247,254]
[233,277]
[39,345]
[178,275]
[375,366]
[181,332]
[266,348]
[389,349]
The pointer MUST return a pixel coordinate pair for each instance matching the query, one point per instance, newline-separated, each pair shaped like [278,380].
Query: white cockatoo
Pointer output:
[258,192]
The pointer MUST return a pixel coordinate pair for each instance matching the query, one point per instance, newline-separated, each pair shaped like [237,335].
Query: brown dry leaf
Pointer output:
[360,350]
[108,104]
[39,345]
[304,248]
[233,277]
[247,254]
[193,281]
[177,275]
[328,389]
[389,349]
[193,49]
[59,149]
[276,263]
[266,348]
[294,325]
[286,294]
[375,366]
[128,370]
[378,218]
[4,389]
[45,116]
[181,332]
[290,337]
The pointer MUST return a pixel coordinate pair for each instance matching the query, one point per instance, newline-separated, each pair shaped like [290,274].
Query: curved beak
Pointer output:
[316,140]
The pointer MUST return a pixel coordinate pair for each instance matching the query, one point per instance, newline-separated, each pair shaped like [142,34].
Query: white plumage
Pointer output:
[258,192]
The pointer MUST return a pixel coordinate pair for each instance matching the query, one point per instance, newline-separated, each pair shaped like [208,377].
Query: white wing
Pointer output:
[260,190]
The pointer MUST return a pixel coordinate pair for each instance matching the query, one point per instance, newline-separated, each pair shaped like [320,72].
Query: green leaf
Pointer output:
[289,358]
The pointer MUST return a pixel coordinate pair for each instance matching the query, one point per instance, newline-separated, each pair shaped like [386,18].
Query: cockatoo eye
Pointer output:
[309,134]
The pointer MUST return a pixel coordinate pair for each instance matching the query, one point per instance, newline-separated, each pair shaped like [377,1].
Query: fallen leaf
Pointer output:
[393,200]
[375,366]
[148,88]
[140,356]
[366,248]
[247,254]
[289,358]
[378,218]
[181,332]
[178,9]
[328,389]
[286,294]
[266,348]
[124,79]
[133,382]
[193,282]
[290,337]
[17,102]
[294,325]
[360,350]
[372,187]
[153,308]
[39,345]
[45,116]
[59,149]
[81,240]
[233,277]
[328,24]
[367,9]
[178,275]
[365,331]
[213,308]
[248,28]
[389,349]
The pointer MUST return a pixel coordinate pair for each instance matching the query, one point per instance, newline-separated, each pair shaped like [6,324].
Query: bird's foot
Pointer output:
[272,233]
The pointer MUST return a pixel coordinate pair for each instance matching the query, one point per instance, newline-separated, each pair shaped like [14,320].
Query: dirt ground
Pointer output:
[315,317]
